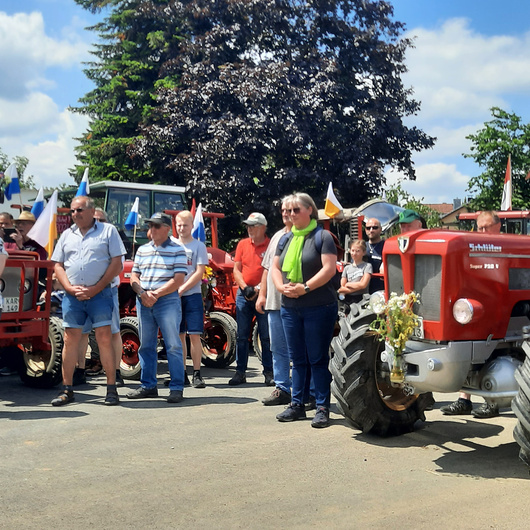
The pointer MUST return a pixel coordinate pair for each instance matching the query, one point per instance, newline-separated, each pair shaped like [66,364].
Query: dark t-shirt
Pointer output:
[374,255]
[311,265]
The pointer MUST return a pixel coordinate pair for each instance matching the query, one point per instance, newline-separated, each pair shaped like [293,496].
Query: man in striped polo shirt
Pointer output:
[158,271]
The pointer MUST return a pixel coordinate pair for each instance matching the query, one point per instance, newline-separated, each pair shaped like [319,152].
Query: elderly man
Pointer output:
[21,240]
[487,222]
[158,272]
[247,274]
[374,252]
[87,258]
[409,220]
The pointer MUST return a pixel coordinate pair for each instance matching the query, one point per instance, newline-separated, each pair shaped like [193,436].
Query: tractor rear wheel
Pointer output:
[521,408]
[361,381]
[256,341]
[42,368]
[219,340]
[130,361]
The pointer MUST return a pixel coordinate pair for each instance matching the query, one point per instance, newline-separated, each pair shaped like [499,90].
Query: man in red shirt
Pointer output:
[247,274]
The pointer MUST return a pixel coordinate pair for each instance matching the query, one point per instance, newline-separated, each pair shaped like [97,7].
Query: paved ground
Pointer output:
[221,460]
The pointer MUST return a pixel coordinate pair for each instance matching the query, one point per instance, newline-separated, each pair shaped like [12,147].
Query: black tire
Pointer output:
[130,361]
[521,408]
[256,341]
[361,385]
[219,340]
[40,368]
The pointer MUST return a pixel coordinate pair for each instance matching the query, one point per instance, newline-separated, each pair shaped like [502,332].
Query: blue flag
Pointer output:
[84,188]
[13,185]
[132,218]
[38,205]
[198,231]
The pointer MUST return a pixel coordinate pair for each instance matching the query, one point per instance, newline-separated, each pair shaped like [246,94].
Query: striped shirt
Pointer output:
[157,265]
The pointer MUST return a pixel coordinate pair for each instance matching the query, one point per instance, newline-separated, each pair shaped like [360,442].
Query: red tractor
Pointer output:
[473,332]
[30,338]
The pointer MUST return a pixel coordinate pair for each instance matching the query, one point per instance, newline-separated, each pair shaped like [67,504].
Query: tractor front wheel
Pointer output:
[361,381]
[521,408]
[130,361]
[219,340]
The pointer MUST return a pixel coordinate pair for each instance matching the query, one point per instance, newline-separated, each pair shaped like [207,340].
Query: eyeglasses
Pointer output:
[155,226]
[296,211]
[77,210]
[372,227]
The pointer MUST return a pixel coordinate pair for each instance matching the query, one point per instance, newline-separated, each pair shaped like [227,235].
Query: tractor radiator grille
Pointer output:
[427,282]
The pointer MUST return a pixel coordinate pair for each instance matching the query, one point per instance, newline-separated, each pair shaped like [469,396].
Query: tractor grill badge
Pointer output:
[403,243]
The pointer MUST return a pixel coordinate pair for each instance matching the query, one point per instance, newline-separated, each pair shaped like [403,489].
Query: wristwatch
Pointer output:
[306,288]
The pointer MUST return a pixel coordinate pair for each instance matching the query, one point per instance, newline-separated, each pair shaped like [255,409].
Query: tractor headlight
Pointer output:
[464,310]
[27,286]
[377,302]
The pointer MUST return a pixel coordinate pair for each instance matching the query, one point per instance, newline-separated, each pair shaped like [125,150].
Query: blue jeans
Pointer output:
[166,315]
[245,311]
[281,362]
[309,331]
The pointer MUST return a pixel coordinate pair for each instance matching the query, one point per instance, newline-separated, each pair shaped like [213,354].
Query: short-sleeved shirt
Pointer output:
[250,256]
[196,254]
[311,265]
[274,297]
[156,265]
[4,252]
[355,273]
[87,257]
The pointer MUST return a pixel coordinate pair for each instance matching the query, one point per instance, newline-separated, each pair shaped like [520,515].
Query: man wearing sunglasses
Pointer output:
[88,256]
[374,252]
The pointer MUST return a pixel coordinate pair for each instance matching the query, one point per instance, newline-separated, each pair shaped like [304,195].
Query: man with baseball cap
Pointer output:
[410,220]
[247,274]
[158,271]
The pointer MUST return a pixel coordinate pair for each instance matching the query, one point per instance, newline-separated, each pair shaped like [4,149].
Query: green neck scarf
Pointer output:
[292,263]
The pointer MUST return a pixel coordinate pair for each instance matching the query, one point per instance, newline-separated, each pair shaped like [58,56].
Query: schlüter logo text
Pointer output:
[484,247]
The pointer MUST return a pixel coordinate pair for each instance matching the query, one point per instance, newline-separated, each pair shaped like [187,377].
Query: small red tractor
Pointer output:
[473,332]
[30,338]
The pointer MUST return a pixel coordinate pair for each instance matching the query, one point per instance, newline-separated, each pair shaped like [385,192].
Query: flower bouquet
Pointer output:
[395,325]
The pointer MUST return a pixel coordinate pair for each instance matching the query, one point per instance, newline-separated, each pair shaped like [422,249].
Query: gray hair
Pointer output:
[306,200]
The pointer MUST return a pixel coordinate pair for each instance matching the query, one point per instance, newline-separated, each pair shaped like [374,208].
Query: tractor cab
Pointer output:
[512,222]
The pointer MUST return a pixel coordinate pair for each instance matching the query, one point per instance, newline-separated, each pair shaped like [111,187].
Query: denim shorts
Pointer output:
[115,324]
[192,314]
[97,311]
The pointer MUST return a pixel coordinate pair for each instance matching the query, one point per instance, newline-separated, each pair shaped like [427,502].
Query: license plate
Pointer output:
[418,330]
[11,304]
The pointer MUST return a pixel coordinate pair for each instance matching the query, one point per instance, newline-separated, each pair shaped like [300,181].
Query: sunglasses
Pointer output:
[151,226]
[77,210]
[296,211]
[372,227]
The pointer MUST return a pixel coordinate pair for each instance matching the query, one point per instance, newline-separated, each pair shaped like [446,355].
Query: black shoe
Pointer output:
[198,381]
[311,404]
[292,413]
[321,418]
[175,396]
[238,379]
[458,407]
[79,377]
[486,410]
[65,396]
[142,392]
[119,379]
[269,379]
[278,397]
[186,380]
[112,398]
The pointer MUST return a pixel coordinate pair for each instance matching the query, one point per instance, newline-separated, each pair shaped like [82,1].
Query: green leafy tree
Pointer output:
[277,96]
[505,135]
[136,39]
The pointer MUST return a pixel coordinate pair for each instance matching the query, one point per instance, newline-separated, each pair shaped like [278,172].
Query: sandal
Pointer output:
[65,396]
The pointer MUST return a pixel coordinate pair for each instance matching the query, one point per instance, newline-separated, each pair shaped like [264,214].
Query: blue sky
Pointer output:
[469,55]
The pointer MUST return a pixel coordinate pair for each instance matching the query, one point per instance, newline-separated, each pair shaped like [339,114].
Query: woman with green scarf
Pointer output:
[302,272]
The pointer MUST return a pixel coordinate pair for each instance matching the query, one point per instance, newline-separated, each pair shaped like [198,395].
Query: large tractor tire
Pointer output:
[219,340]
[361,381]
[41,368]
[130,361]
[521,408]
